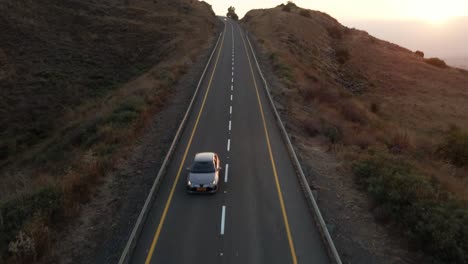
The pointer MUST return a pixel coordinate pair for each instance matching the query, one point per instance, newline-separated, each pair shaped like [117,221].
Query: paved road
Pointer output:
[260,214]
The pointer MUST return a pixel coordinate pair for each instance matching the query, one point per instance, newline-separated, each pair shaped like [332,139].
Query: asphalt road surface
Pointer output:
[260,214]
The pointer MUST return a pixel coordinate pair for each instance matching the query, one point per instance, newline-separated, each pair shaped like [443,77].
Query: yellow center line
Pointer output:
[171,194]
[278,187]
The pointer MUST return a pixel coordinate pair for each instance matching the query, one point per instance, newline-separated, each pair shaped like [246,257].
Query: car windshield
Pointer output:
[203,167]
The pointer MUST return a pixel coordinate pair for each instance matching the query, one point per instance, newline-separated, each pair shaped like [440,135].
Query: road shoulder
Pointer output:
[101,232]
[359,238]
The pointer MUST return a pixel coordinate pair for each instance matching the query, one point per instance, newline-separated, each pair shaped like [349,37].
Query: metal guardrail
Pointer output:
[130,246]
[308,192]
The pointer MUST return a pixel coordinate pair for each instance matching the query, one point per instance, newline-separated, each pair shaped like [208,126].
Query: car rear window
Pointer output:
[203,167]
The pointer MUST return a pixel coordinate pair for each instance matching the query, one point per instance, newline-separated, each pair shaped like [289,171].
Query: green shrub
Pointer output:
[454,147]
[18,211]
[273,57]
[165,75]
[127,111]
[375,108]
[436,224]
[284,72]
[291,4]
[84,133]
[335,32]
[311,127]
[304,13]
[436,62]
[5,151]
[352,111]
[333,133]
[133,103]
[342,55]
[232,13]
[419,53]
[122,118]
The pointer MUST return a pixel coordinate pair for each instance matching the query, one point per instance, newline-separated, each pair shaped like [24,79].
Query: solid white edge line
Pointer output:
[223,218]
[229,145]
[229,125]
[226,173]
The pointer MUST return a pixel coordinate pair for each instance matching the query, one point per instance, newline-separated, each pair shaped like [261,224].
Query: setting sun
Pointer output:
[435,11]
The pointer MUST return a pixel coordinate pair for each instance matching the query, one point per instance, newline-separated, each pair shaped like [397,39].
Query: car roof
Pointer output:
[204,156]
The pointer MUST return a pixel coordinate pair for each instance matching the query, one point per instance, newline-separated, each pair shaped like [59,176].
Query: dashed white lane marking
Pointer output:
[232,80]
[226,173]
[229,145]
[223,217]
[230,110]
[232,73]
[233,63]
[232,35]
[232,87]
[231,97]
[232,68]
[229,125]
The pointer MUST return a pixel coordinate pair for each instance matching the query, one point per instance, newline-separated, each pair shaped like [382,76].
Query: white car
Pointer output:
[203,175]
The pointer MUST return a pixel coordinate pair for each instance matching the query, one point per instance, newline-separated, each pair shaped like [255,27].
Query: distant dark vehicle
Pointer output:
[203,175]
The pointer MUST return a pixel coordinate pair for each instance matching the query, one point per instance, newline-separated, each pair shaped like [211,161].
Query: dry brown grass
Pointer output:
[399,141]
[89,131]
[374,92]
[384,111]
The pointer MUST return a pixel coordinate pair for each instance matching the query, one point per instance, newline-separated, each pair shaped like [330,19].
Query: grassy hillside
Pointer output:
[79,81]
[397,119]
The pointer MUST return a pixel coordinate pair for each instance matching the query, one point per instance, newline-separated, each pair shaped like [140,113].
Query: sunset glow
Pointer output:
[432,11]
[436,12]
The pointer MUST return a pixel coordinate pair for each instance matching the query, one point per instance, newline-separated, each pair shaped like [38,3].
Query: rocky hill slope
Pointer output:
[395,120]
[80,80]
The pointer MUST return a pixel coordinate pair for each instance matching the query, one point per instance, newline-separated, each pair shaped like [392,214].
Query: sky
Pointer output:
[438,27]
[435,11]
